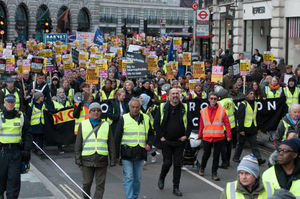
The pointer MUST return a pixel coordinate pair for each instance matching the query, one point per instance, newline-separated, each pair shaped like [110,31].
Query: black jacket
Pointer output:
[241,118]
[132,153]
[160,128]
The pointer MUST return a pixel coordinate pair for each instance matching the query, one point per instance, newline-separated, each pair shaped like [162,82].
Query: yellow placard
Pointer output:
[170,74]
[152,63]
[198,69]
[120,52]
[244,67]
[48,53]
[99,53]
[92,75]
[66,58]
[20,68]
[42,53]
[177,41]
[186,59]
[58,50]
[58,58]
[10,60]
[93,49]
[84,64]
[268,57]
[192,83]
[68,65]
[83,55]
[174,65]
[108,57]
[36,47]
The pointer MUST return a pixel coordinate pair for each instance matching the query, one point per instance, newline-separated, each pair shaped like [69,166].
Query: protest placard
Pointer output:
[217,74]
[37,64]
[92,75]
[198,70]
[152,63]
[186,59]
[10,63]
[244,67]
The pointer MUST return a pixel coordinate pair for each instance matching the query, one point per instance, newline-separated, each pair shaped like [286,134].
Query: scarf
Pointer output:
[94,121]
[274,87]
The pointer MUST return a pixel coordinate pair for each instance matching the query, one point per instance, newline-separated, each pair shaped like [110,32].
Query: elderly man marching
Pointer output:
[134,136]
[248,183]
[94,143]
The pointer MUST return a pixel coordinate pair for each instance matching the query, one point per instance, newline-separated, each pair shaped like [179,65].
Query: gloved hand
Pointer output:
[25,156]
[78,162]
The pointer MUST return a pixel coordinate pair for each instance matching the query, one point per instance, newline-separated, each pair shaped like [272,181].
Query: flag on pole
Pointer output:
[172,53]
[99,37]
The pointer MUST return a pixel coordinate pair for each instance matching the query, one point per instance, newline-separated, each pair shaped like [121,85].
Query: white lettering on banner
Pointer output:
[104,108]
[270,105]
[259,106]
[203,105]
[192,106]
[195,121]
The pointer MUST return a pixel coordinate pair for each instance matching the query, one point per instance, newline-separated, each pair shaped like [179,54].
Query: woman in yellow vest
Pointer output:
[94,143]
[81,110]
[61,101]
[69,92]
[198,92]
[273,90]
[248,184]
[35,114]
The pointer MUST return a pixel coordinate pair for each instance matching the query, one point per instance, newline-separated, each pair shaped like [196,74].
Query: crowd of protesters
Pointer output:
[53,91]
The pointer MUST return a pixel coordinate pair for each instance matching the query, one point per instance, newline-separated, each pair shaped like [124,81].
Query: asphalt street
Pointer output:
[46,181]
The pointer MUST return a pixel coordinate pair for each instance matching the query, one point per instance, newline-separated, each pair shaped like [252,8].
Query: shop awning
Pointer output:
[294,27]
[204,37]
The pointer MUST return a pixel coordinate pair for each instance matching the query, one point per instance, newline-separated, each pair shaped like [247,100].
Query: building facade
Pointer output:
[22,16]
[269,25]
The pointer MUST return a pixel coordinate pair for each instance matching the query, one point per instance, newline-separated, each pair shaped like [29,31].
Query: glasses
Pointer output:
[213,98]
[284,151]
[95,110]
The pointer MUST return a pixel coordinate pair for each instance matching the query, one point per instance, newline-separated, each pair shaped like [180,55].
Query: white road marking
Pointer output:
[203,179]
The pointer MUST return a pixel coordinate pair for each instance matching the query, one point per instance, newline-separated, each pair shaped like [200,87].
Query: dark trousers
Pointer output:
[10,173]
[88,174]
[233,137]
[240,146]
[207,146]
[226,150]
[39,139]
[172,154]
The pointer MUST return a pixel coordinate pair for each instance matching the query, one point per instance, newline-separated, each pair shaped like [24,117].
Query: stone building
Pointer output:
[22,16]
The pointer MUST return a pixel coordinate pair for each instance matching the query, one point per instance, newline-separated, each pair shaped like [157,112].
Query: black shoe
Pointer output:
[215,177]
[177,192]
[161,183]
[261,161]
[236,160]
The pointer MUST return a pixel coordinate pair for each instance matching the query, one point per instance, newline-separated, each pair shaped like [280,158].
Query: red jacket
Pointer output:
[212,112]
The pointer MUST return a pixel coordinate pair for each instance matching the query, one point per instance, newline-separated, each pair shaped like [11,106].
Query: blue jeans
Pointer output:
[132,171]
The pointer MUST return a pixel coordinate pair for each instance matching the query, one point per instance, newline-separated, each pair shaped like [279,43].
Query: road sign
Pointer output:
[195,6]
[203,15]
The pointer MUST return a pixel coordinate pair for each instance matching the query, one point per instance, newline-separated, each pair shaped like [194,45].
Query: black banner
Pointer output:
[75,55]
[270,112]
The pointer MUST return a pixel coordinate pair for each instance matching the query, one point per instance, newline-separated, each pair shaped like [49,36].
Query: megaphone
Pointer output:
[78,97]
[166,87]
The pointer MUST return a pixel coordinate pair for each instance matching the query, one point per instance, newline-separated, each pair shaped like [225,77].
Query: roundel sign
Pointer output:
[203,15]
[195,6]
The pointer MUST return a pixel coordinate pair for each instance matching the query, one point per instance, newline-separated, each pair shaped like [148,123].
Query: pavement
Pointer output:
[46,181]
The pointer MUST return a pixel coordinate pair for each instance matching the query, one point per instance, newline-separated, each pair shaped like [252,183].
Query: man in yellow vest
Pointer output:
[171,126]
[229,106]
[134,136]
[286,173]
[11,89]
[249,184]
[94,143]
[15,145]
[247,127]
[292,92]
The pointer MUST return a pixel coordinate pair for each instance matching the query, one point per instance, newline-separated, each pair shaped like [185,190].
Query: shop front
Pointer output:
[257,26]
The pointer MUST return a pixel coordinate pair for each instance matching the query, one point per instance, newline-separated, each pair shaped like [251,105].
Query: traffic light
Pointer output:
[124,30]
[146,26]
[190,30]
[2,26]
[47,25]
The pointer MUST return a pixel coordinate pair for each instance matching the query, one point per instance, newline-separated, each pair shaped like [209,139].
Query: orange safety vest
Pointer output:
[84,114]
[215,129]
